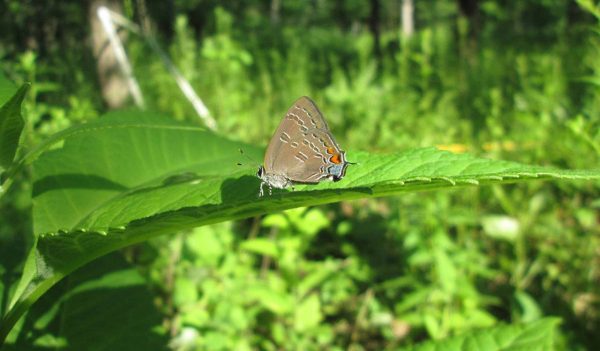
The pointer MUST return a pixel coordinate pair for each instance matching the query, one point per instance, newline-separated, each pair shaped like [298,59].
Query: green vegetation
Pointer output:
[137,229]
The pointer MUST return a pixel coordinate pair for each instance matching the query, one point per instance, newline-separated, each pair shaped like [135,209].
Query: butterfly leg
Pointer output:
[261,192]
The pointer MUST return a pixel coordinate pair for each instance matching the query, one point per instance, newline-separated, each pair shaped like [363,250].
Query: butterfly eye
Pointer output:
[260,172]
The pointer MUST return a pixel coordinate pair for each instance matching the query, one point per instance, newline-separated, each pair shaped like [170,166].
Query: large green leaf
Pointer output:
[535,336]
[130,167]
[106,301]
[131,176]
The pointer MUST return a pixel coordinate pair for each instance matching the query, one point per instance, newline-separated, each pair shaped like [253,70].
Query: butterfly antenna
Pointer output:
[250,159]
[351,163]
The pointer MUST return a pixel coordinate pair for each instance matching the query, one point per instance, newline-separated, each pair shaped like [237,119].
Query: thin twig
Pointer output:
[183,83]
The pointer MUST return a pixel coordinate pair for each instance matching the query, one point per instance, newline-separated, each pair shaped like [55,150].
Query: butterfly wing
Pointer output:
[316,155]
[302,147]
[300,117]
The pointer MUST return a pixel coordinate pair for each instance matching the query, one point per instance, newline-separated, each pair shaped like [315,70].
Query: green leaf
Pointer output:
[529,306]
[317,277]
[7,89]
[535,336]
[308,313]
[261,246]
[274,301]
[131,176]
[107,301]
[11,126]
[126,157]
[185,293]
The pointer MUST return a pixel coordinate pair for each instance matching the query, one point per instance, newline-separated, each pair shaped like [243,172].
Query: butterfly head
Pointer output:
[261,172]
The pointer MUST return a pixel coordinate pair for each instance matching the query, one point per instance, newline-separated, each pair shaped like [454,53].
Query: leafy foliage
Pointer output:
[534,336]
[68,317]
[515,81]
[129,177]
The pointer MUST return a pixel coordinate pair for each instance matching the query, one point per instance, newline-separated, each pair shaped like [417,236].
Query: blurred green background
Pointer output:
[515,80]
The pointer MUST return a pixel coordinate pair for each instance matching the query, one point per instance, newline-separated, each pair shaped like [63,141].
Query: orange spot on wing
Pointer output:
[335,159]
[330,150]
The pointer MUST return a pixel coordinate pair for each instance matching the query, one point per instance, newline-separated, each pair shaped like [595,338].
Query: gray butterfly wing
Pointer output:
[314,120]
[315,154]
[301,117]
[302,147]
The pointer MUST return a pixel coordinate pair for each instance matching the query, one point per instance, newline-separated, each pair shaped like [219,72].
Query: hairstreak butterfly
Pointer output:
[302,150]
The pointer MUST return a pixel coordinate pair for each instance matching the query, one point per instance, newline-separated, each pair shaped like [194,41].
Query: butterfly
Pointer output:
[302,150]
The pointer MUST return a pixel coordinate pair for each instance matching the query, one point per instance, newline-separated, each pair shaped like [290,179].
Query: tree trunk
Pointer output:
[408,20]
[144,18]
[470,9]
[112,82]
[275,9]
[374,26]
